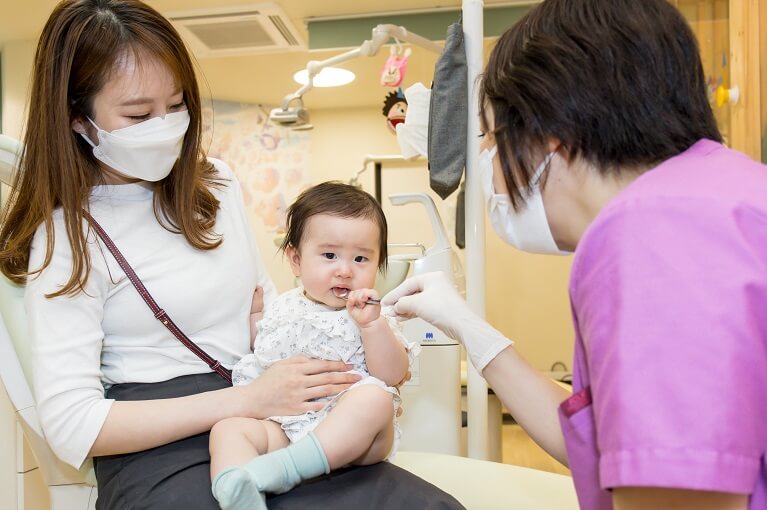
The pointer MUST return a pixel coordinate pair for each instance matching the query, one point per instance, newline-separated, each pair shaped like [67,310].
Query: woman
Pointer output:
[114,132]
[599,139]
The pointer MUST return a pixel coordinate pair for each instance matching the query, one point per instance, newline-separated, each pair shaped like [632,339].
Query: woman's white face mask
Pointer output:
[527,230]
[147,150]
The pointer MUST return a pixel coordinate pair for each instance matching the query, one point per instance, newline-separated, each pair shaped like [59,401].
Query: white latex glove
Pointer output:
[433,298]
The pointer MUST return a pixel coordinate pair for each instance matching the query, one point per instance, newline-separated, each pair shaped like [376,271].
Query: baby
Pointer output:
[335,243]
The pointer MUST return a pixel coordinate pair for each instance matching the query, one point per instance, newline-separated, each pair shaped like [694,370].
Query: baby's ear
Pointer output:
[294,258]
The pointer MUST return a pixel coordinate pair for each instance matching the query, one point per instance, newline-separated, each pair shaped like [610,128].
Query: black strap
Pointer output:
[158,312]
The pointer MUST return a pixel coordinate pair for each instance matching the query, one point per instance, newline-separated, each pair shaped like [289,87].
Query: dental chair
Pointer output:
[476,484]
[69,489]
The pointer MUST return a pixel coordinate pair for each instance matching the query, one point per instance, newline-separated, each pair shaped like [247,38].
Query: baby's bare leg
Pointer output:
[272,465]
[380,448]
[235,441]
[360,429]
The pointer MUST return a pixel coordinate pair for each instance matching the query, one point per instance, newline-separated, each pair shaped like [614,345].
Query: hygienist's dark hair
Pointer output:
[335,199]
[619,83]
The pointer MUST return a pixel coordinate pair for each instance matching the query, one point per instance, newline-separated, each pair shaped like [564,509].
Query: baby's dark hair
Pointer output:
[336,199]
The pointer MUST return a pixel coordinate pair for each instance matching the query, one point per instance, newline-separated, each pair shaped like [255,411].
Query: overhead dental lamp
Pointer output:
[328,77]
[290,116]
[292,113]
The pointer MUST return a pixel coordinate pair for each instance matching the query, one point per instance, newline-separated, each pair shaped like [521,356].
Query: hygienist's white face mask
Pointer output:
[527,230]
[147,150]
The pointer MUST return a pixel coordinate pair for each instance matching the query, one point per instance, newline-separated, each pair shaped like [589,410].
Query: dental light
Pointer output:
[291,116]
[328,77]
[296,116]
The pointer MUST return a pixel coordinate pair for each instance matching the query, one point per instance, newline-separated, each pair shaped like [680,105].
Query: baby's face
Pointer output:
[337,255]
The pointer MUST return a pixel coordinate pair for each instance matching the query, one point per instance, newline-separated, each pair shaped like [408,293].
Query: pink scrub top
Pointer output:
[669,301]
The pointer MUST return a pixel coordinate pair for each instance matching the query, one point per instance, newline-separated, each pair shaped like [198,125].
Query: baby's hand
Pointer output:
[361,312]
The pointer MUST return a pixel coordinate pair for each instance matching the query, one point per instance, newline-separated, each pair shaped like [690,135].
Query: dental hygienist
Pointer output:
[599,139]
[114,131]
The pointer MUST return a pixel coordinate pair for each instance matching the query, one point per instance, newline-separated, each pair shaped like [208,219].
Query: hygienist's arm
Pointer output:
[284,389]
[645,498]
[532,399]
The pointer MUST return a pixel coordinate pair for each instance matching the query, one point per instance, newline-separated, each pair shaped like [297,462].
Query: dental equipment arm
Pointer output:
[370,158]
[530,397]
[380,36]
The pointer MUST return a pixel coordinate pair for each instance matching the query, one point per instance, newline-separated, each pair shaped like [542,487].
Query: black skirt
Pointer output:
[176,476]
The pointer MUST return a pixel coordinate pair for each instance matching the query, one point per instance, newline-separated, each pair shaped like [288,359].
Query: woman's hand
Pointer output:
[433,298]
[360,311]
[287,387]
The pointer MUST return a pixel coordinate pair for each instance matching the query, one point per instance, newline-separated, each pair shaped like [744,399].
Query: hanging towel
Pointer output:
[412,135]
[448,115]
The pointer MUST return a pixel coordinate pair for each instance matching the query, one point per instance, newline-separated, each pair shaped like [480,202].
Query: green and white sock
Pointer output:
[277,472]
[234,489]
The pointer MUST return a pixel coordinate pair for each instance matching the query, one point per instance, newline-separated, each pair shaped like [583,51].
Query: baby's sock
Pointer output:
[275,472]
[234,489]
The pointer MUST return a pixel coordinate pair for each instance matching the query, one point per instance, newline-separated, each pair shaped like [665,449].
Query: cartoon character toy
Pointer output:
[394,109]
[394,69]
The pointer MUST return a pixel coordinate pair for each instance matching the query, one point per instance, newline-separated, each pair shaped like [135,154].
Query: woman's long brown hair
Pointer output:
[76,54]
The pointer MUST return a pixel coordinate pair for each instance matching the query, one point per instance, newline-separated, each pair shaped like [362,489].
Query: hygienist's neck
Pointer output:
[587,192]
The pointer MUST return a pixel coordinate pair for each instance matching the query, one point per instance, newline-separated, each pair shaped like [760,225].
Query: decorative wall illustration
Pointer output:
[271,162]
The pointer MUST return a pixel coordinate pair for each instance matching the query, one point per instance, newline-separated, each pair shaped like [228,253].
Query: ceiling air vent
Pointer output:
[240,30]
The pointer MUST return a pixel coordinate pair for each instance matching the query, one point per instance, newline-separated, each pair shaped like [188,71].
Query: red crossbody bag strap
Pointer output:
[158,312]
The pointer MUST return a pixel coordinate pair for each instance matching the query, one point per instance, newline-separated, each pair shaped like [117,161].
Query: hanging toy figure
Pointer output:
[395,109]
[394,69]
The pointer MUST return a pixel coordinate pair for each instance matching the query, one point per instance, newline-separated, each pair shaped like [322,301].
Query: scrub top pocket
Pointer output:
[576,417]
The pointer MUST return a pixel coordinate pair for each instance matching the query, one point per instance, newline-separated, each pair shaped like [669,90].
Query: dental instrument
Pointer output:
[371,301]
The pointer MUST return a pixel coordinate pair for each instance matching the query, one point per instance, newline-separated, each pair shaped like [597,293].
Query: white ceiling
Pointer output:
[267,78]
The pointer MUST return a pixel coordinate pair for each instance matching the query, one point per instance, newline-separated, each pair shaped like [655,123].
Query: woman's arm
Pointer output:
[642,498]
[284,389]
